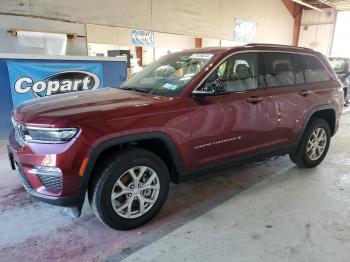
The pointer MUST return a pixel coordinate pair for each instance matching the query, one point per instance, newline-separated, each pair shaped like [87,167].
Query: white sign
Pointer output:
[244,31]
[201,56]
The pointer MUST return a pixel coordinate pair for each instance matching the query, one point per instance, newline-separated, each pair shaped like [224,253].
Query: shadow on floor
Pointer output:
[87,238]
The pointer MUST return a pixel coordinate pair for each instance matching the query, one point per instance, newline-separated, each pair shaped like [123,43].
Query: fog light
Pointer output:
[46,171]
[50,177]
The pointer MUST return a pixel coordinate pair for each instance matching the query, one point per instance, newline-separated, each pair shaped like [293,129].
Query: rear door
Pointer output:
[293,83]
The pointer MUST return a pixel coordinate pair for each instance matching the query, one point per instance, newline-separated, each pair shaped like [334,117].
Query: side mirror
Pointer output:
[210,89]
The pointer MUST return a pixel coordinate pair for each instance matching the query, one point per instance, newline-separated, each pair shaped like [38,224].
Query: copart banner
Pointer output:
[30,80]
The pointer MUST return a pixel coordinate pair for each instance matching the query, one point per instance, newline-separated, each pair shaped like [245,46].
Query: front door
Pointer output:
[230,123]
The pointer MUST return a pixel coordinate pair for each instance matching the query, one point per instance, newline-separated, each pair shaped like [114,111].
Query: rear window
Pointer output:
[279,69]
[314,70]
[286,69]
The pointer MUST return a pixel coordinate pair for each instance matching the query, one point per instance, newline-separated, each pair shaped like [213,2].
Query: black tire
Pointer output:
[108,173]
[346,96]
[300,156]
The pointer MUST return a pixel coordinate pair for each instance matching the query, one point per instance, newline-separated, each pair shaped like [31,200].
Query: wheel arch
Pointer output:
[329,115]
[326,112]
[143,140]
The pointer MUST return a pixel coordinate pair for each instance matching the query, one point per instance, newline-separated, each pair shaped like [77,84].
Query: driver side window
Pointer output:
[237,74]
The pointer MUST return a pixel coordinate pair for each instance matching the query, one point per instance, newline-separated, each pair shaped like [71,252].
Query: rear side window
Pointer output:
[314,70]
[279,69]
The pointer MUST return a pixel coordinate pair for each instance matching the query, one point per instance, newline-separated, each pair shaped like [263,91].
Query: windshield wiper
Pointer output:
[137,89]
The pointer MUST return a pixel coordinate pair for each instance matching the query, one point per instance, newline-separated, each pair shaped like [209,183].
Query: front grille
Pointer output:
[51,182]
[25,181]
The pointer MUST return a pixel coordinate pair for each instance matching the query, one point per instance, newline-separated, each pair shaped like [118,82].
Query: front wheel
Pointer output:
[314,145]
[131,188]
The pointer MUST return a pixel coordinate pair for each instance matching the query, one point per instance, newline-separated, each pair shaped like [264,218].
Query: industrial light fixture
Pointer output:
[308,5]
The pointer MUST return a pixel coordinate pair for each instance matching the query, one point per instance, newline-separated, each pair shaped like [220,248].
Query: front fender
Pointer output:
[100,148]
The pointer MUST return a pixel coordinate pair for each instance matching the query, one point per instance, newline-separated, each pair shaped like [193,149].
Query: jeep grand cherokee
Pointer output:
[188,113]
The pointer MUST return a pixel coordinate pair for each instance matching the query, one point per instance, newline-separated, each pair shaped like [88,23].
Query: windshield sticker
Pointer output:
[170,86]
[201,56]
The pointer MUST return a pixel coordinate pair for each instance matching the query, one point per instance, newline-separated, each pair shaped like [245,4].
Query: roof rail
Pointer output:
[276,45]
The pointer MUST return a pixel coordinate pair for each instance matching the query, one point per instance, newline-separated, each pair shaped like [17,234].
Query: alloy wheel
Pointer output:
[317,144]
[135,192]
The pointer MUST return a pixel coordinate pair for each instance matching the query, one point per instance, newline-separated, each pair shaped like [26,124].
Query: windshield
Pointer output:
[338,65]
[169,75]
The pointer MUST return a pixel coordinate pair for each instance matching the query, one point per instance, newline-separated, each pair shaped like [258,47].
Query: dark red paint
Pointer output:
[247,121]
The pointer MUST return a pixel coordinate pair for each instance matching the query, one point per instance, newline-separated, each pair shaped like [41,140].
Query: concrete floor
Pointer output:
[267,211]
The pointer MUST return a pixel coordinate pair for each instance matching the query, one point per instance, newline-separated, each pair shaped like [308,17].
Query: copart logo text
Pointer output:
[62,82]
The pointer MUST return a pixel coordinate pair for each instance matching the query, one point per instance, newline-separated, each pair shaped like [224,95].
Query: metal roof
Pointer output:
[340,5]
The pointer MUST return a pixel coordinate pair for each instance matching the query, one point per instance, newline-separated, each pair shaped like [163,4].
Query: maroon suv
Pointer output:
[188,113]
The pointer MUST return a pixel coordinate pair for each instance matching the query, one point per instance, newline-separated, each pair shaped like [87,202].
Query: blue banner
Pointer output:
[140,37]
[30,80]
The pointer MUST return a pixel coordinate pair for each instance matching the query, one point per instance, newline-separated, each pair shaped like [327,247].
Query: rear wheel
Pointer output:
[346,96]
[131,189]
[314,145]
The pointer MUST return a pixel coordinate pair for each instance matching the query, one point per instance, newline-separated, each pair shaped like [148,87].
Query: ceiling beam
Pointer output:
[296,11]
[308,5]
[290,5]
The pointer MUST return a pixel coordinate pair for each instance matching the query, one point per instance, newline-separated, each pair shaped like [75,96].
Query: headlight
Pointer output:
[49,135]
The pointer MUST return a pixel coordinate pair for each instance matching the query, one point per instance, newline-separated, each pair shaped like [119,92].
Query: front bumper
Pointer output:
[68,157]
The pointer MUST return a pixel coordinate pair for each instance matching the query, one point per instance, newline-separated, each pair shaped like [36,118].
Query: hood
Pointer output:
[47,110]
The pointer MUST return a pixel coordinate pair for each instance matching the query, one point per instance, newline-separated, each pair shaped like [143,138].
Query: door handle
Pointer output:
[305,93]
[254,99]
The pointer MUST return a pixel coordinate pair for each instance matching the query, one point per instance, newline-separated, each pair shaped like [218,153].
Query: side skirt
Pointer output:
[246,159]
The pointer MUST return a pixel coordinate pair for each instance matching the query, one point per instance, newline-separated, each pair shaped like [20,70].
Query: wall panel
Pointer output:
[317,29]
[9,43]
[205,18]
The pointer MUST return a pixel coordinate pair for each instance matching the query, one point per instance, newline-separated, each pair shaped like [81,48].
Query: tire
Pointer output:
[301,157]
[346,96]
[145,165]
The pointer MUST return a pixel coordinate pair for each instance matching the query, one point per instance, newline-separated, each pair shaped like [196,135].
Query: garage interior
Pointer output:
[266,211]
